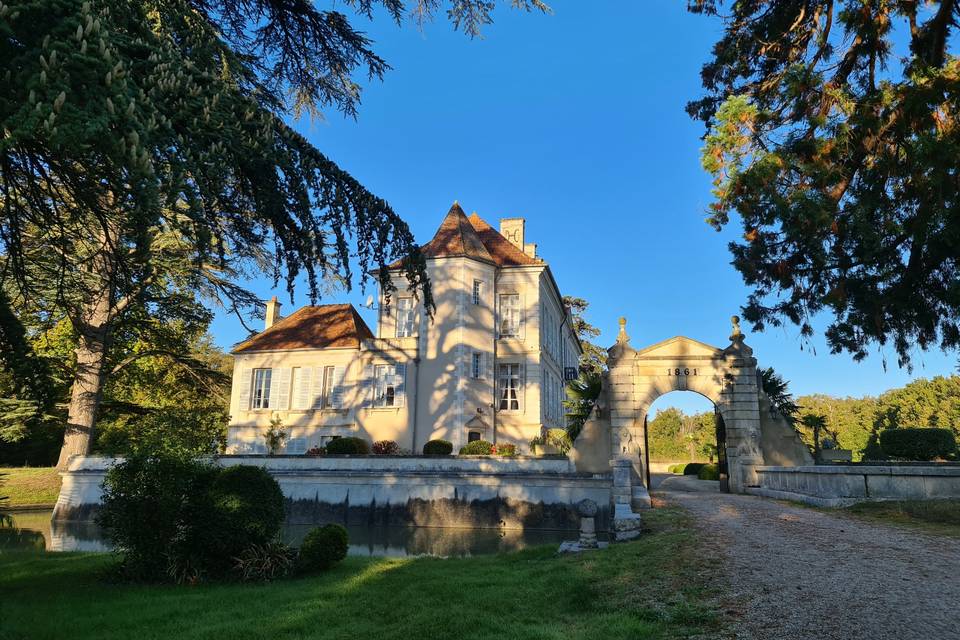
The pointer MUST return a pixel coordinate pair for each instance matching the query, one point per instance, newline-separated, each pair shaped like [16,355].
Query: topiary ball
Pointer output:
[322,548]
[438,448]
[247,508]
[348,446]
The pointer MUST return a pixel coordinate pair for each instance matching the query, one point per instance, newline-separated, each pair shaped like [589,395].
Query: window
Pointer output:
[385,386]
[261,388]
[405,317]
[510,387]
[477,291]
[476,366]
[510,315]
[473,436]
[326,394]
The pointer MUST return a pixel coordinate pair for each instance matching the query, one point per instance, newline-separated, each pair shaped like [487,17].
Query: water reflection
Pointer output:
[34,530]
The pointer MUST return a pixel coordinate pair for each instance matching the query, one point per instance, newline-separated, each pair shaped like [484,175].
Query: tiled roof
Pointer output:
[504,252]
[471,237]
[321,327]
[456,237]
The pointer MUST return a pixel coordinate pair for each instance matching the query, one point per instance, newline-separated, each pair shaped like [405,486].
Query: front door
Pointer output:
[722,451]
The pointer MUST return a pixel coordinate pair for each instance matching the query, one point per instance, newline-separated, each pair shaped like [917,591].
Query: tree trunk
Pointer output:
[84,397]
[93,325]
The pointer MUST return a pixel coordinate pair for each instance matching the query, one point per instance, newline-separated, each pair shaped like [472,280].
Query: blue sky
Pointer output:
[576,122]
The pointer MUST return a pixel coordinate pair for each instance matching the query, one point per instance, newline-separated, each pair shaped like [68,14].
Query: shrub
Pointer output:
[692,468]
[316,451]
[477,448]
[918,444]
[505,450]
[386,448]
[558,438]
[154,510]
[322,548]
[709,472]
[348,446]
[274,436]
[266,562]
[248,509]
[437,448]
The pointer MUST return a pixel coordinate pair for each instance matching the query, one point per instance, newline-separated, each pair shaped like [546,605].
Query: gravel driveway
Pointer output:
[799,573]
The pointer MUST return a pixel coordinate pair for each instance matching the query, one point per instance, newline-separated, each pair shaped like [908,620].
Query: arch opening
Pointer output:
[683,443]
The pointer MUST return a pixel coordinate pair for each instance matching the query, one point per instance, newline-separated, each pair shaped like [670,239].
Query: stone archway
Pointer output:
[727,377]
[613,436]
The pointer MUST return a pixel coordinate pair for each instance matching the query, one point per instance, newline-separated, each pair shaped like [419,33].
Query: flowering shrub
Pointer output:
[316,451]
[386,448]
[477,448]
[505,450]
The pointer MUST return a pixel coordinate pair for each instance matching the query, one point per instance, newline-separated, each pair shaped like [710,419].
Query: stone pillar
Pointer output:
[626,523]
[588,527]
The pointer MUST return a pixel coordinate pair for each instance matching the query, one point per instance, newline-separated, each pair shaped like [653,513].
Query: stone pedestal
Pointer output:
[626,523]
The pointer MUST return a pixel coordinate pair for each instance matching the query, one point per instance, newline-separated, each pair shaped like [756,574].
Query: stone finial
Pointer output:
[622,337]
[587,508]
[737,334]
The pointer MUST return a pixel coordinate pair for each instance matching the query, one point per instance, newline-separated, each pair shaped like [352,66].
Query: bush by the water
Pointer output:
[345,446]
[477,448]
[386,448]
[172,517]
[438,448]
[263,563]
[918,444]
[709,472]
[322,548]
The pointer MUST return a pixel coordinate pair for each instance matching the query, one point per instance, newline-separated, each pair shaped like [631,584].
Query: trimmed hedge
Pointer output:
[348,446]
[709,472]
[477,448]
[438,448]
[918,444]
[693,468]
[322,548]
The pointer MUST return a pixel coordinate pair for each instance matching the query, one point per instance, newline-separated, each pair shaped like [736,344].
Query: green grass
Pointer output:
[655,587]
[932,516]
[29,486]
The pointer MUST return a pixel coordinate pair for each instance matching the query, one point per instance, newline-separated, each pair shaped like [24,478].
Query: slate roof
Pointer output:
[326,326]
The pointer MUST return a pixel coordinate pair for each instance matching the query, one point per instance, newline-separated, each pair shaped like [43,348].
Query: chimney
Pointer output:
[273,312]
[513,230]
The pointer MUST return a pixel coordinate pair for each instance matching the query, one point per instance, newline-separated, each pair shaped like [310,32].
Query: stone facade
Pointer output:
[499,320]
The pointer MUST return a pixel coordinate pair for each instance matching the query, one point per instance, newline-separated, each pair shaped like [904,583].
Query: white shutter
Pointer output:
[281,400]
[316,393]
[302,399]
[367,386]
[488,368]
[242,384]
[338,388]
[522,301]
[399,389]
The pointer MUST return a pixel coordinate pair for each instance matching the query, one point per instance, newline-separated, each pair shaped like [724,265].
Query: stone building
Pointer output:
[488,365]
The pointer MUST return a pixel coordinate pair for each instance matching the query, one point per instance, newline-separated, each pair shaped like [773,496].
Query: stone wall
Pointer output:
[841,485]
[509,493]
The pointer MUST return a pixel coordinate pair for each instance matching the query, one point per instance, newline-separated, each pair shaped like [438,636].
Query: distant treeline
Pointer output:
[850,423]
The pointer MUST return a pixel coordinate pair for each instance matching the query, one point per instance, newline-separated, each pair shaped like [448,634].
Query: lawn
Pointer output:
[655,587]
[29,486]
[931,516]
